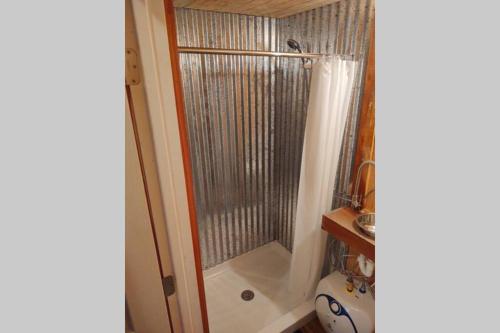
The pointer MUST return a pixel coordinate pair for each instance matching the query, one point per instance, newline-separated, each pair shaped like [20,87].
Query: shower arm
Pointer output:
[294,45]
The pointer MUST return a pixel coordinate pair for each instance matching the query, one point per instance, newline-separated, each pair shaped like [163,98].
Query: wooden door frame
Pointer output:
[155,28]
[186,159]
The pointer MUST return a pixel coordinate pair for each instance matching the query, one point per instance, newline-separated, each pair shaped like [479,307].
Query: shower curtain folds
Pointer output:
[330,95]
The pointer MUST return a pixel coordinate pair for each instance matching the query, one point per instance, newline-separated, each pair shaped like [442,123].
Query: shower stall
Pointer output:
[246,116]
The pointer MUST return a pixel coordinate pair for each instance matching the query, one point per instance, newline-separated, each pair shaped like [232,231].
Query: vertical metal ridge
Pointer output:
[282,148]
[248,162]
[255,114]
[292,147]
[212,146]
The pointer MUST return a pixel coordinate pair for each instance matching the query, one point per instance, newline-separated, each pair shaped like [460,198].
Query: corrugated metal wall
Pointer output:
[246,118]
[230,107]
[339,28]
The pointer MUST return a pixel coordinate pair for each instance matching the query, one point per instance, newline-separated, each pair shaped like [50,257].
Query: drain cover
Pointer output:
[247,295]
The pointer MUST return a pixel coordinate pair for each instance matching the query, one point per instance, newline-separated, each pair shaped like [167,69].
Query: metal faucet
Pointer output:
[356,198]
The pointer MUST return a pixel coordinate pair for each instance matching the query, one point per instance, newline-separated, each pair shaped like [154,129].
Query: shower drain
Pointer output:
[247,295]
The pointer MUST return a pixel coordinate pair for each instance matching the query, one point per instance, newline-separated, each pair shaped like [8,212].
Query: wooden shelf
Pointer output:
[340,224]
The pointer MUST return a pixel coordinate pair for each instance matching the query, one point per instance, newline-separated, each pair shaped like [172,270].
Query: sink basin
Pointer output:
[366,224]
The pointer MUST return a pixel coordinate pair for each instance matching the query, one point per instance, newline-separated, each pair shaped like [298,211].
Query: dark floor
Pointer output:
[313,326]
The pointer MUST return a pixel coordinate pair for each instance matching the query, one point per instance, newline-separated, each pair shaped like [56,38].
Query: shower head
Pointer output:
[293,44]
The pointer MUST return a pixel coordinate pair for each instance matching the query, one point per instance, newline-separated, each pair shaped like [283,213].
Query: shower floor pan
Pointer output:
[264,271]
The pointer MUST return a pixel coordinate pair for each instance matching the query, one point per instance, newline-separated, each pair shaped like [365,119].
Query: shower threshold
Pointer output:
[264,272]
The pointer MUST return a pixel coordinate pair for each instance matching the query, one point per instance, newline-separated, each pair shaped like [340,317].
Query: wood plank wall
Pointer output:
[366,144]
[366,137]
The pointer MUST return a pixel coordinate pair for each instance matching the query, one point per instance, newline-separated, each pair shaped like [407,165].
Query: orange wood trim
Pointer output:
[365,149]
[148,199]
[179,99]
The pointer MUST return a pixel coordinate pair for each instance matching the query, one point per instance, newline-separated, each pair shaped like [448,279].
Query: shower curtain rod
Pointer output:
[252,53]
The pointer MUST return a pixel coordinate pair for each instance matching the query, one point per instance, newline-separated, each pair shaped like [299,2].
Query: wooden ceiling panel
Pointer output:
[271,8]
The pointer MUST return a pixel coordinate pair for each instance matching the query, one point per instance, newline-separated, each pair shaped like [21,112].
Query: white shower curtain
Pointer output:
[329,97]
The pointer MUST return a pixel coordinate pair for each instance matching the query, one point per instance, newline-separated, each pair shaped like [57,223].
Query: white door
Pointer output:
[143,285]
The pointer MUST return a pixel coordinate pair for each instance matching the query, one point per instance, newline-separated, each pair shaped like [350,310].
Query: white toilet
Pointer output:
[341,311]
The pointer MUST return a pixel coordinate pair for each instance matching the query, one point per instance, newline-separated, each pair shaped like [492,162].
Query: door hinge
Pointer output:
[168,285]
[132,76]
